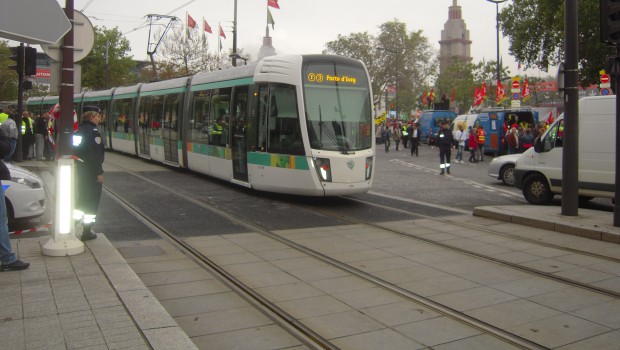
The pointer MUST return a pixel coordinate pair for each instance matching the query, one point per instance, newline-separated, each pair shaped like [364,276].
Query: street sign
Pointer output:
[604,85]
[516,96]
[605,78]
[605,92]
[515,84]
[83,39]
[33,21]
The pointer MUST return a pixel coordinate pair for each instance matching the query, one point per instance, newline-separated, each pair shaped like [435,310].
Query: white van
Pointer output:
[538,171]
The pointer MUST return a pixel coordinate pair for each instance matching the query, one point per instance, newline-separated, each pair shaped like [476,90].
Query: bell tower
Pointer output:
[454,44]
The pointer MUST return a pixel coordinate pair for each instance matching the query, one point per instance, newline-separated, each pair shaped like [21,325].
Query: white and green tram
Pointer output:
[296,124]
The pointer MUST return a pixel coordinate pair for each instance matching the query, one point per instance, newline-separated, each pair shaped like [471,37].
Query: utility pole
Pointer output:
[570,154]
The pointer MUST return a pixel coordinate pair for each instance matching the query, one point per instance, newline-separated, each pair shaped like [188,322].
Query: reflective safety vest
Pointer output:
[3,117]
[216,129]
[405,133]
[481,135]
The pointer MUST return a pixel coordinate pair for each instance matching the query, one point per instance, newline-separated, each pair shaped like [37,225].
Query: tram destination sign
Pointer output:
[322,78]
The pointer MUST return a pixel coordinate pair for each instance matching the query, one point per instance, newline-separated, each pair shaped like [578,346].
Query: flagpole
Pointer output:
[234,48]
[267,26]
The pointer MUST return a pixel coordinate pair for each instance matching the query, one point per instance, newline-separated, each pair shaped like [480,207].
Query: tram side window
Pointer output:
[198,124]
[145,114]
[171,111]
[156,113]
[219,117]
[283,123]
[121,116]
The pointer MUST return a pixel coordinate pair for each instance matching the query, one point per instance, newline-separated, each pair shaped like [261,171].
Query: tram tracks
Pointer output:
[303,333]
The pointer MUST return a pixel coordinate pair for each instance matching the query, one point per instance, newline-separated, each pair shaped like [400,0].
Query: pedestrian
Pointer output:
[8,259]
[472,143]
[481,138]
[415,139]
[445,143]
[461,137]
[528,139]
[40,134]
[396,135]
[27,136]
[404,135]
[9,129]
[88,148]
[387,135]
[512,140]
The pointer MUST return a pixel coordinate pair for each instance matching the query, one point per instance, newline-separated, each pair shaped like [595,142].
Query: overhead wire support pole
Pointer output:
[150,52]
[570,154]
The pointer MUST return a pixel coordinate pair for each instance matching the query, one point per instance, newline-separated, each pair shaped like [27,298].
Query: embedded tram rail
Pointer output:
[368,276]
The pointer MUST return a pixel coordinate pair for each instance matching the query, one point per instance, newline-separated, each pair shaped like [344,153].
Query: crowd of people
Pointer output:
[34,131]
[518,138]
[408,133]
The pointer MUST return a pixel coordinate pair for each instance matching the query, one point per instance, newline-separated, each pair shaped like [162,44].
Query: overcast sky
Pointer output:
[301,26]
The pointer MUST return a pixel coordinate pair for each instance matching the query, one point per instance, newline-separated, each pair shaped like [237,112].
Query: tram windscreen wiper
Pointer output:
[330,134]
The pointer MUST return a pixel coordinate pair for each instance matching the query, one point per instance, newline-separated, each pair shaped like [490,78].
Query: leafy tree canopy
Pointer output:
[536,32]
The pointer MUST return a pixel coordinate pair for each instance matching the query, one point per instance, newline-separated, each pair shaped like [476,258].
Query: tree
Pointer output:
[406,59]
[8,77]
[394,57]
[360,46]
[536,33]
[184,53]
[119,63]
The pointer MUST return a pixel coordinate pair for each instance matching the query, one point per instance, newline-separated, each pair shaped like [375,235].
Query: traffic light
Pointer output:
[17,55]
[30,61]
[610,22]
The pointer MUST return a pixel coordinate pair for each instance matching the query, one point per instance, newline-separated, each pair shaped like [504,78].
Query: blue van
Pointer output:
[430,122]
[495,123]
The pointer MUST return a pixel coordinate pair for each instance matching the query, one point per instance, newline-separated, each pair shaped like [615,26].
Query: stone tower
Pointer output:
[454,44]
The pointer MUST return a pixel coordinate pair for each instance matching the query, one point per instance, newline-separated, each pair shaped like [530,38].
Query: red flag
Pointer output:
[550,118]
[478,97]
[54,114]
[190,22]
[526,93]
[206,27]
[424,102]
[222,32]
[431,95]
[273,3]
[483,91]
[500,95]
[453,94]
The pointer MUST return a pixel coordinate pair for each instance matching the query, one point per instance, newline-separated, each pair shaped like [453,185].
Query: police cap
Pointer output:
[91,109]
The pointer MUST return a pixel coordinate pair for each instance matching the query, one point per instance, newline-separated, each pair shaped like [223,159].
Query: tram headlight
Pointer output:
[368,168]
[323,169]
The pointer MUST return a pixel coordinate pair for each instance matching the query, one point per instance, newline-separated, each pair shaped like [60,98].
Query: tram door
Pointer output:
[170,131]
[239,120]
[146,105]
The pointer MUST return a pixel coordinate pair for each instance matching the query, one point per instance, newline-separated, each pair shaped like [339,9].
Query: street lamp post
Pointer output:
[497,2]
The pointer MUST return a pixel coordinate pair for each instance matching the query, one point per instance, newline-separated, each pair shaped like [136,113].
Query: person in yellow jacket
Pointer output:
[481,138]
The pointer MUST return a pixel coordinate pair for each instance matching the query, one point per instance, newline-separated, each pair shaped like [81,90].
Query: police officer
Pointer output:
[445,142]
[88,148]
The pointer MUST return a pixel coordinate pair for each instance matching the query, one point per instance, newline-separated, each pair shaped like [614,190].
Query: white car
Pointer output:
[24,194]
[503,167]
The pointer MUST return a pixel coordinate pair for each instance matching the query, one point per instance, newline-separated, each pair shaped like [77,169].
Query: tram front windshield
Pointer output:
[338,108]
